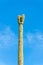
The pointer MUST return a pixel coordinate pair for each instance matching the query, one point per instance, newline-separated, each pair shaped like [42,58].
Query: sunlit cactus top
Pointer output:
[21,19]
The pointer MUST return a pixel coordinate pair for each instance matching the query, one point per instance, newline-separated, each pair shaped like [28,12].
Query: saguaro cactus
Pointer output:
[20,43]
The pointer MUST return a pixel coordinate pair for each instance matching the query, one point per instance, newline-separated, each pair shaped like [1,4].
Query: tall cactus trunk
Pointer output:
[20,45]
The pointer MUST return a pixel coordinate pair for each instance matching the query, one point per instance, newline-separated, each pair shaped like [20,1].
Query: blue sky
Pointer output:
[33,31]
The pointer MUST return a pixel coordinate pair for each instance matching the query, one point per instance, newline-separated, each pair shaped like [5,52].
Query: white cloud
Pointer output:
[35,39]
[30,37]
[1,63]
[7,38]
